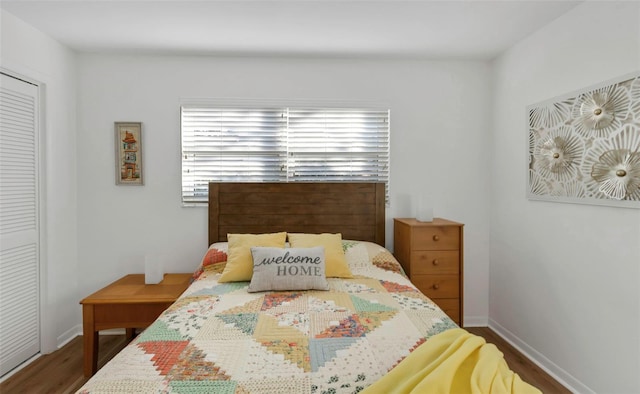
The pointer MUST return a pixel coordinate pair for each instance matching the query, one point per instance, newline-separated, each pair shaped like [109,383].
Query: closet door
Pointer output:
[19,227]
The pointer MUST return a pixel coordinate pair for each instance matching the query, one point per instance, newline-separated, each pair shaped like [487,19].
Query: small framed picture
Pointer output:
[129,153]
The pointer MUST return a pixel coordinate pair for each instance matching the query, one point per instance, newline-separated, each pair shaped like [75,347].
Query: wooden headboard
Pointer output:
[357,210]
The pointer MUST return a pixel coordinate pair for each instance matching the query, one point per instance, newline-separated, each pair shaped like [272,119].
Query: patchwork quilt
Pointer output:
[218,338]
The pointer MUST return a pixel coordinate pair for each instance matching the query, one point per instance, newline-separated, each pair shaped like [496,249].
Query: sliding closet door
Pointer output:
[19,227]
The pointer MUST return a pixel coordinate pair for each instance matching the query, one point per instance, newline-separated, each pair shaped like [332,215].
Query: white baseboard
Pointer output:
[540,360]
[19,367]
[475,321]
[113,331]
[77,330]
[69,335]
[61,341]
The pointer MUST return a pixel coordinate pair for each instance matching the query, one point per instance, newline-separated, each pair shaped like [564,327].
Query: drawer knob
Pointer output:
[436,286]
[436,262]
[436,238]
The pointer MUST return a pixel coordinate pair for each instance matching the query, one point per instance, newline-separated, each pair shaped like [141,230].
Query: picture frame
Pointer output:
[128,143]
[584,147]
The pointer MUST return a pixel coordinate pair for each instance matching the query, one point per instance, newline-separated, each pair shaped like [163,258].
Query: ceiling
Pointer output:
[468,29]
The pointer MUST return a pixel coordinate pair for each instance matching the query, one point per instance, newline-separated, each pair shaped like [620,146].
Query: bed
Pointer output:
[219,337]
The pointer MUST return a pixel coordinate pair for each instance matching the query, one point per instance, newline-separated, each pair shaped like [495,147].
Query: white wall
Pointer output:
[440,114]
[28,53]
[565,278]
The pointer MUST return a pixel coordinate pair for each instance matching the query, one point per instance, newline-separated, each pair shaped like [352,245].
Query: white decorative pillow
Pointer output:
[357,256]
[282,269]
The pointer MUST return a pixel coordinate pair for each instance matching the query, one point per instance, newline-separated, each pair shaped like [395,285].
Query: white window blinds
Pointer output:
[281,145]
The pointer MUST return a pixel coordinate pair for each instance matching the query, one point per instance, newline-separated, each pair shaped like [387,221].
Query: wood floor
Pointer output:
[61,371]
[528,371]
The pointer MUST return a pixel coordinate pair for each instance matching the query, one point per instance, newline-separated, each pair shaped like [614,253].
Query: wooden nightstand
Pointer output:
[126,303]
[431,253]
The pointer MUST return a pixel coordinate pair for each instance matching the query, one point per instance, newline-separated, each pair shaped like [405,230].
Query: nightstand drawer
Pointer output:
[435,238]
[438,286]
[108,316]
[435,262]
[450,306]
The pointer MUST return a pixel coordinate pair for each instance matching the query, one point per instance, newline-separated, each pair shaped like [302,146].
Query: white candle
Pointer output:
[153,269]
[425,210]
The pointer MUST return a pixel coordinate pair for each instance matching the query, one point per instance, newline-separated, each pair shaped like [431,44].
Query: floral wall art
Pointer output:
[585,147]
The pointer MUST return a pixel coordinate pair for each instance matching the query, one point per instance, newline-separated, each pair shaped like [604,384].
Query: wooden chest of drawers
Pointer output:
[431,255]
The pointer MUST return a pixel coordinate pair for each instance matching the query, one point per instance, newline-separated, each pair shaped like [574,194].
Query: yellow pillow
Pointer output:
[239,261]
[336,262]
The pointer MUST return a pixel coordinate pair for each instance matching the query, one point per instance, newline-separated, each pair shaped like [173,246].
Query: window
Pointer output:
[281,145]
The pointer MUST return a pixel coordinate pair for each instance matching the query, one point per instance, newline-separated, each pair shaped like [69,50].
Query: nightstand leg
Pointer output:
[131,333]
[90,336]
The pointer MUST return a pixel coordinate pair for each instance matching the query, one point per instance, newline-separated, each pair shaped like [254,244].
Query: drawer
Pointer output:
[438,286]
[435,238]
[450,306]
[435,262]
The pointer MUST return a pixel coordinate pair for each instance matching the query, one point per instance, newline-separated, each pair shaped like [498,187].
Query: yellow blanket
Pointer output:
[454,361]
